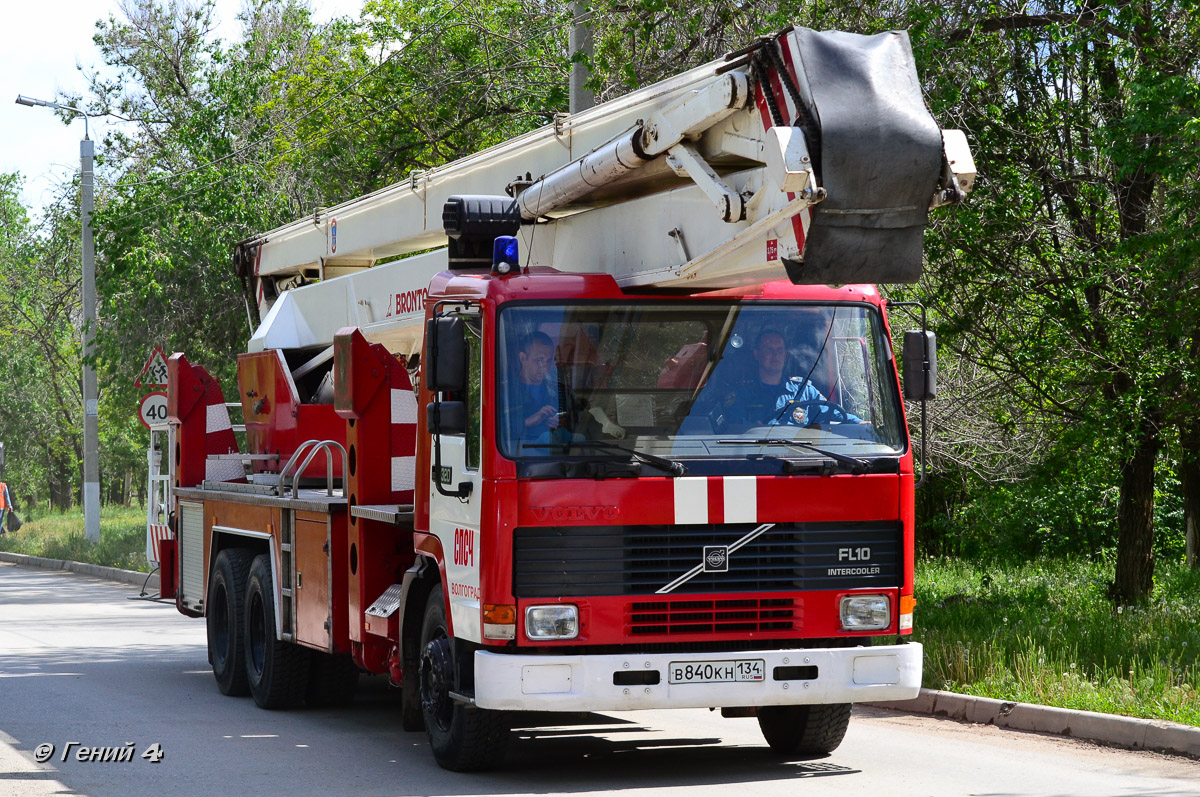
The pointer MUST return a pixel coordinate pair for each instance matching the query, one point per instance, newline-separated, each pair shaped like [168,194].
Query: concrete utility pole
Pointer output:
[581,96]
[91,413]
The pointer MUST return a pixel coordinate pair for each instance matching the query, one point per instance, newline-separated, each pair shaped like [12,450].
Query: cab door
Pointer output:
[455,508]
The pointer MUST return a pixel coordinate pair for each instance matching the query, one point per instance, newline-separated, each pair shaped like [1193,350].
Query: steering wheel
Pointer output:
[814,410]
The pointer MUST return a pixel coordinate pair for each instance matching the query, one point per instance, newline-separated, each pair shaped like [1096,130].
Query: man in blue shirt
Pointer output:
[767,397]
[539,399]
[541,407]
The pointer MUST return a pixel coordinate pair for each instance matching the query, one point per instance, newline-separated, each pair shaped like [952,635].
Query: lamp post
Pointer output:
[580,97]
[91,434]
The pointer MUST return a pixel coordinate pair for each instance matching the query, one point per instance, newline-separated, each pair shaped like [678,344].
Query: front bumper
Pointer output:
[586,683]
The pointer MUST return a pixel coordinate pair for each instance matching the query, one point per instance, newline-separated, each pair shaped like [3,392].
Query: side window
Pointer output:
[474,389]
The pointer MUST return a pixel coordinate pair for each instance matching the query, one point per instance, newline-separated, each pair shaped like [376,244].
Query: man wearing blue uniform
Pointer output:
[766,397]
[539,399]
[541,408]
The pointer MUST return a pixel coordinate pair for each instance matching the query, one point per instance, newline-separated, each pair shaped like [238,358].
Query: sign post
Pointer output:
[152,412]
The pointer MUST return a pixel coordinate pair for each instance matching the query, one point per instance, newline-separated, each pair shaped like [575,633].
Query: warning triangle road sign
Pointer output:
[154,372]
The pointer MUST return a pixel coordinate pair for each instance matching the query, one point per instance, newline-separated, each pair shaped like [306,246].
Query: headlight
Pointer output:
[866,612]
[559,621]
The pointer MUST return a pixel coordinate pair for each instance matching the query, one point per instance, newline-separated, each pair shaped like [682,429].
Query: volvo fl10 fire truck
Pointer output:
[615,423]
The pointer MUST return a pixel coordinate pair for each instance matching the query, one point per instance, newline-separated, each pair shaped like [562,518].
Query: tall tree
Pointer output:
[190,176]
[40,312]
[416,85]
[1071,273]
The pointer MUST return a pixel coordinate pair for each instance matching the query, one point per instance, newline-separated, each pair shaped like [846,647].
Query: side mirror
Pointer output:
[446,354]
[446,417]
[920,380]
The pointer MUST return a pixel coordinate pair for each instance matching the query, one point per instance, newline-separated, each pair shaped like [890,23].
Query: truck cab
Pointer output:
[663,537]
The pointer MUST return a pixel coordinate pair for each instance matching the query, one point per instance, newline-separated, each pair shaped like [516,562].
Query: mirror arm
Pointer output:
[463,491]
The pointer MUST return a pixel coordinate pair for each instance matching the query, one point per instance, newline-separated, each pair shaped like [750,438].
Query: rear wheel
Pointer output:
[277,671]
[463,738]
[804,730]
[223,618]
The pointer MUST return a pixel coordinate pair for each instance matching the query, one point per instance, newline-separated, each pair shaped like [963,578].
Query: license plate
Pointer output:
[715,672]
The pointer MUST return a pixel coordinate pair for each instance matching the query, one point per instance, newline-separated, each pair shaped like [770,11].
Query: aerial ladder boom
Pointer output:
[808,156]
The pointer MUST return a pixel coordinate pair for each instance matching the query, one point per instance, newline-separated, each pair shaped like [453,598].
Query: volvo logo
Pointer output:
[716,559]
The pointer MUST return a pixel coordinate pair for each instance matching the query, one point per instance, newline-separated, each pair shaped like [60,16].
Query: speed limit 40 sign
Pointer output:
[153,409]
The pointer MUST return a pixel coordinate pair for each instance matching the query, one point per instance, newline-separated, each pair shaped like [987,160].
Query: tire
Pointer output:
[277,671]
[332,679]
[411,717]
[804,730]
[463,738]
[223,616]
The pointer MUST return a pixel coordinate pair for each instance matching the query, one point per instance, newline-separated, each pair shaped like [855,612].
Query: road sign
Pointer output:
[154,372]
[153,409]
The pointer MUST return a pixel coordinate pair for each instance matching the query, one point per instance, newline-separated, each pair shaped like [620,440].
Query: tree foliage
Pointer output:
[40,313]
[419,84]
[1071,273]
[1064,290]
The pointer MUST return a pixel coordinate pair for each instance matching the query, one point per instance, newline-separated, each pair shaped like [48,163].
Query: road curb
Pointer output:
[1129,732]
[82,568]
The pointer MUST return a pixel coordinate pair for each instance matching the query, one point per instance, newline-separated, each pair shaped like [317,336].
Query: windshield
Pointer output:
[701,383]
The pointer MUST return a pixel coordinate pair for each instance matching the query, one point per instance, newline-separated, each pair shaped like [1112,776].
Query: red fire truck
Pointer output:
[626,435]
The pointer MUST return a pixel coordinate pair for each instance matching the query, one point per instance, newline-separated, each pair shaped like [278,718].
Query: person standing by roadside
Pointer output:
[5,506]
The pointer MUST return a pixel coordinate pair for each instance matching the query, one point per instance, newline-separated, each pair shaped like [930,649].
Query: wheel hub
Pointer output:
[437,674]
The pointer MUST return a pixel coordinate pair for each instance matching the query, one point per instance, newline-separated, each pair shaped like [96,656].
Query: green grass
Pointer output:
[1045,632]
[60,536]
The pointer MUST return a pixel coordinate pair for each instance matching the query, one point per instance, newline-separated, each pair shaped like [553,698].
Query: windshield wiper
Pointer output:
[671,466]
[855,464]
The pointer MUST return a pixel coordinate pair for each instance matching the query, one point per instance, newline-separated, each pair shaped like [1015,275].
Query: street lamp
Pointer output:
[91,434]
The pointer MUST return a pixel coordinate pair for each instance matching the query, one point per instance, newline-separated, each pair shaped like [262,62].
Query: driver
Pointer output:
[767,397]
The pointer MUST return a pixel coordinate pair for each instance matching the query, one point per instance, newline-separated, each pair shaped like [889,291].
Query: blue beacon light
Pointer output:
[505,254]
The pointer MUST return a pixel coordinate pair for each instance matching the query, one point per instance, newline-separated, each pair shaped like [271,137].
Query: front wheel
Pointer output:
[463,738]
[804,730]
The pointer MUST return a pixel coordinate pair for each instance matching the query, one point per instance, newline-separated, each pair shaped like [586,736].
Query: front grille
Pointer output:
[710,616]
[567,561]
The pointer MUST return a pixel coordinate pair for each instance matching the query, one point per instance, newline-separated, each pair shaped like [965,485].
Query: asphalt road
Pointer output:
[79,662]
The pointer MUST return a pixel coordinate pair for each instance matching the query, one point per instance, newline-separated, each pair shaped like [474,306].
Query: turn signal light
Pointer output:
[499,613]
[499,621]
[907,604]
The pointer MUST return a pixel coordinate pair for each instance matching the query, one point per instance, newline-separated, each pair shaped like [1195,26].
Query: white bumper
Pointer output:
[586,683]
